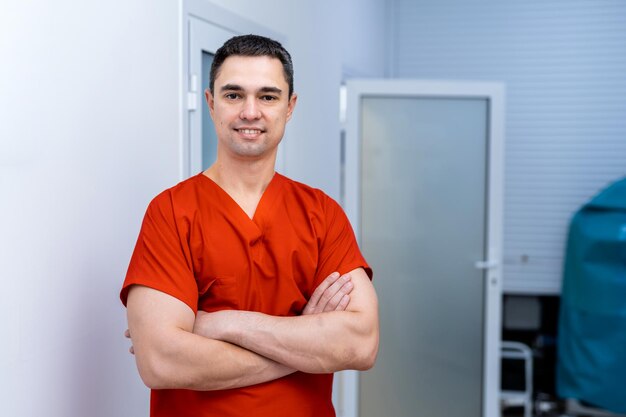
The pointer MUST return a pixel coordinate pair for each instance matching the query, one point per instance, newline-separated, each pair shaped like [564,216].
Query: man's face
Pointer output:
[250,106]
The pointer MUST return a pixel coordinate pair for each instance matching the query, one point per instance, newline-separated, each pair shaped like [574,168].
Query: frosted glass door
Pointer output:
[423,227]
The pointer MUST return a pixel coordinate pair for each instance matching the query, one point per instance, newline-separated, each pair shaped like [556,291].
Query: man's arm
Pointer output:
[169,355]
[319,343]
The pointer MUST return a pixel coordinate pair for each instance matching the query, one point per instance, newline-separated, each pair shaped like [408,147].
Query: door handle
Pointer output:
[488,264]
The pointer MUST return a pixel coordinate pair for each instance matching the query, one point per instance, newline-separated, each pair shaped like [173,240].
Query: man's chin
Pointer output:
[251,150]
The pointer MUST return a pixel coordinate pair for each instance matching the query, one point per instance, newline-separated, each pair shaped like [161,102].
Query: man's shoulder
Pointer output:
[184,193]
[309,198]
[301,190]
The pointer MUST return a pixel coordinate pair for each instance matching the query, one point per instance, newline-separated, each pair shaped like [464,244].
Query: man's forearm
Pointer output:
[197,363]
[320,343]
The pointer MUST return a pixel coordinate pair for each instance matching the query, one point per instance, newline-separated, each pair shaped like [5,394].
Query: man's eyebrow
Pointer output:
[231,87]
[271,90]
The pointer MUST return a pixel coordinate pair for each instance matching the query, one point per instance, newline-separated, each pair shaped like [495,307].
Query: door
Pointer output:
[423,179]
[204,40]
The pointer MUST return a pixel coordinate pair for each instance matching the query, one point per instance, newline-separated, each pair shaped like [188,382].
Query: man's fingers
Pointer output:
[328,300]
[334,302]
[319,291]
[131,349]
[345,300]
[317,294]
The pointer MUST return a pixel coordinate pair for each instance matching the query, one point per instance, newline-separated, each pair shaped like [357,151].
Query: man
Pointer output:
[247,290]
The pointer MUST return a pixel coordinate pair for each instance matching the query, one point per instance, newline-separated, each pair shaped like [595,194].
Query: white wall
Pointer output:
[89,132]
[362,34]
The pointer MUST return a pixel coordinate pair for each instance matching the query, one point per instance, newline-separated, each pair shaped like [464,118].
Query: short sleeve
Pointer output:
[161,259]
[339,250]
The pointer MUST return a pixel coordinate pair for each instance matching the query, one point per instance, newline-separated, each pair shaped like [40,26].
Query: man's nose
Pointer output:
[250,109]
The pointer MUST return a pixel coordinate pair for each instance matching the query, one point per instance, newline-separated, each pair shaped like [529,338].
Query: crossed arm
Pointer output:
[230,349]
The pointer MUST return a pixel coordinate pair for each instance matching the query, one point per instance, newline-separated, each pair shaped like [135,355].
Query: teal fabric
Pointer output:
[591,362]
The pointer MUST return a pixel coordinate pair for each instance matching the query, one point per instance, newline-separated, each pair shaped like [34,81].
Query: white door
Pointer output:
[423,190]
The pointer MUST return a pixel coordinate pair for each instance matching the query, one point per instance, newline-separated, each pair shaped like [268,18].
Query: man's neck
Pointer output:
[244,180]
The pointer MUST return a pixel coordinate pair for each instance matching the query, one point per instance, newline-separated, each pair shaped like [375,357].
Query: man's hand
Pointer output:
[331,295]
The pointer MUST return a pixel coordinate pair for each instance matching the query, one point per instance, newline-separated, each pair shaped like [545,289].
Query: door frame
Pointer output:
[494,93]
[198,12]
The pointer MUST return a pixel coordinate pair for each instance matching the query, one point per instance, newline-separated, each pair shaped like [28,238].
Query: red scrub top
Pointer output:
[198,245]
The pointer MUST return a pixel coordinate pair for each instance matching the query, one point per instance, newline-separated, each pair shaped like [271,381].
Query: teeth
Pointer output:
[250,131]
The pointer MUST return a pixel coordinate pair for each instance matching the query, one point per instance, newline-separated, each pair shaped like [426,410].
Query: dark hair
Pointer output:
[252,45]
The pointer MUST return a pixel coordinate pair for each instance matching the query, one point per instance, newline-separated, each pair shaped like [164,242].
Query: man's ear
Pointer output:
[292,105]
[209,100]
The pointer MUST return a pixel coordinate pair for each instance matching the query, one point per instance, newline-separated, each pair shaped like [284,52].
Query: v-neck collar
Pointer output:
[267,201]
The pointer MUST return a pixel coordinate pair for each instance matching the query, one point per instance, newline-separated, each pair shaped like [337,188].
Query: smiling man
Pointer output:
[247,290]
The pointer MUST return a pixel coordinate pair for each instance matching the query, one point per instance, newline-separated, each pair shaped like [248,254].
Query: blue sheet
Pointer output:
[591,361]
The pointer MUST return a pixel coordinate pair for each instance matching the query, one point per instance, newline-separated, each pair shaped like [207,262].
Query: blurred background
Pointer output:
[101,109]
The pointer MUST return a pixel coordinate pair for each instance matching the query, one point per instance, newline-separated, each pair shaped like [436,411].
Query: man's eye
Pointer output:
[232,96]
[268,98]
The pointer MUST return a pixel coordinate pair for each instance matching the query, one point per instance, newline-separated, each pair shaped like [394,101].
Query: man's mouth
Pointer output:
[249,131]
